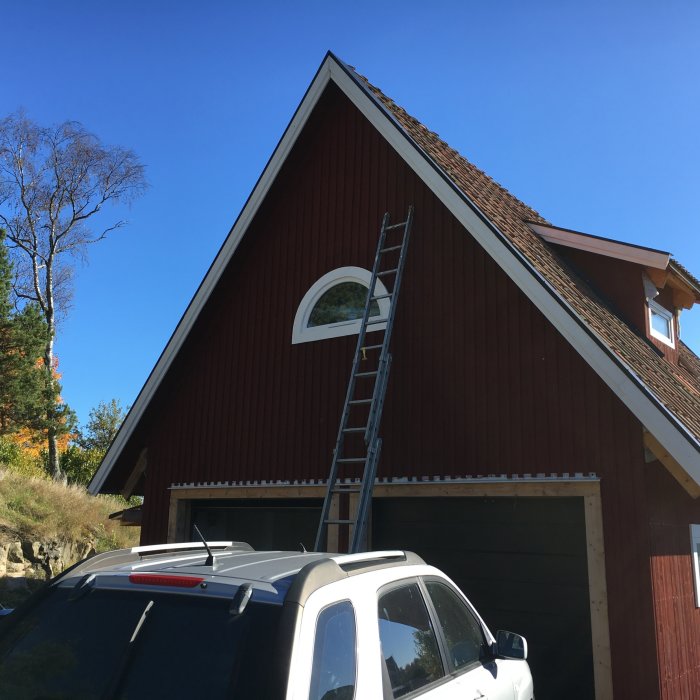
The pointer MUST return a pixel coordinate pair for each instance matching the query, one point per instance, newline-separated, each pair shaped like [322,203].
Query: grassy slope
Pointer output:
[41,510]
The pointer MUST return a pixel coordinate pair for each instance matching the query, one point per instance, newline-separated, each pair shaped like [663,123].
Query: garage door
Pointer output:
[521,561]
[263,523]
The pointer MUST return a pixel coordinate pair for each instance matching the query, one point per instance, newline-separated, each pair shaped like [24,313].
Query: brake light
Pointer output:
[165,580]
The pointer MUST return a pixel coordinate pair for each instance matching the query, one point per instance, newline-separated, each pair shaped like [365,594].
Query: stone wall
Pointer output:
[21,562]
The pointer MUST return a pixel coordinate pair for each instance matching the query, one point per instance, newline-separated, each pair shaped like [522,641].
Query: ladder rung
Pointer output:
[358,472]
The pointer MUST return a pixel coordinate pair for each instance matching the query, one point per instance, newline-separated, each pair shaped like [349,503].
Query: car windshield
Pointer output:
[184,647]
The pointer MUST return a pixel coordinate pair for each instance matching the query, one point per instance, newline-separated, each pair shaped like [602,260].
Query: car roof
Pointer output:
[237,562]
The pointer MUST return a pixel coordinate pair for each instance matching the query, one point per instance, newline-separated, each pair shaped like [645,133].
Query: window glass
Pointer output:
[660,324]
[334,665]
[80,649]
[408,641]
[465,640]
[342,302]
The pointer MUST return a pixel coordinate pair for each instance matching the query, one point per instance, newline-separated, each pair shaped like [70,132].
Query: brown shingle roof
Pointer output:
[676,387]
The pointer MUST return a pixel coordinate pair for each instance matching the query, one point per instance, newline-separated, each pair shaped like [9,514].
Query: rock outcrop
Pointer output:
[20,561]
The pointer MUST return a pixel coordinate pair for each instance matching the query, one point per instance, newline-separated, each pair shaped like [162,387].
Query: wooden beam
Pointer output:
[139,468]
[276,491]
[598,598]
[658,277]
[678,473]
[487,489]
[418,489]
[332,533]
[179,519]
[685,295]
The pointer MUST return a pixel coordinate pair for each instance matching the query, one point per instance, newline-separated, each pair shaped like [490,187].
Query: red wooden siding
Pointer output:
[618,282]
[677,618]
[481,382]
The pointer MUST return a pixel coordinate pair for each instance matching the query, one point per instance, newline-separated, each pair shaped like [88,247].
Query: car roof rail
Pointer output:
[183,546]
[118,557]
[337,567]
[350,562]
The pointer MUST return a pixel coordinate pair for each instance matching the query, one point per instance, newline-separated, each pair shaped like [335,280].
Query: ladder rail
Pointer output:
[372,442]
[359,532]
[340,440]
[384,356]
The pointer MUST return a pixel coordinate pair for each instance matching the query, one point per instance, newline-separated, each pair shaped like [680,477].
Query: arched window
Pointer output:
[334,305]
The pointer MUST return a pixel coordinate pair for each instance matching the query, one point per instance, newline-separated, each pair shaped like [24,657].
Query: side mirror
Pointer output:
[511,645]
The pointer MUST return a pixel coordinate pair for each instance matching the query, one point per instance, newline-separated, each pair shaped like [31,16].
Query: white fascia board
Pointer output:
[623,381]
[648,257]
[214,273]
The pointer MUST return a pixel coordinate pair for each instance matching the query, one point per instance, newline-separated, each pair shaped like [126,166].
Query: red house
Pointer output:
[542,423]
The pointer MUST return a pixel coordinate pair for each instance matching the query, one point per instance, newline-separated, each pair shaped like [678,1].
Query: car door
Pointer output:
[465,645]
[434,647]
[412,664]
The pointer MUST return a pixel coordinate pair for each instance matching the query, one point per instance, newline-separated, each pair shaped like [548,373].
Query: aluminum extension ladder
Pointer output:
[364,400]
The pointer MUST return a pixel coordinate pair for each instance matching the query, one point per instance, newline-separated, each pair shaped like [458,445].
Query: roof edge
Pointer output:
[622,380]
[642,255]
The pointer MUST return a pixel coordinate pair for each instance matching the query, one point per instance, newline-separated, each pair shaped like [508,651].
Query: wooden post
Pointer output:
[178,518]
[598,598]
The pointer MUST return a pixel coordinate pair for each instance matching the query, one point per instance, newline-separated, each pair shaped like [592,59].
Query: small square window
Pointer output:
[661,323]
[695,553]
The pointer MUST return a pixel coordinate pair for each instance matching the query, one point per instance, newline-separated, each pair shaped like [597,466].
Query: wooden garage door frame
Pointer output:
[588,489]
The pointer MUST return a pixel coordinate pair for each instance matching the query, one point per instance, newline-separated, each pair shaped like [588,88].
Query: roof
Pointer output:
[282,575]
[665,398]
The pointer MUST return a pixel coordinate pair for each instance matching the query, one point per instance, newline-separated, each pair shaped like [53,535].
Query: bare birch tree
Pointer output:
[53,181]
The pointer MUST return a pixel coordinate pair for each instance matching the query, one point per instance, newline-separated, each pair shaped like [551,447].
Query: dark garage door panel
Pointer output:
[521,561]
[282,524]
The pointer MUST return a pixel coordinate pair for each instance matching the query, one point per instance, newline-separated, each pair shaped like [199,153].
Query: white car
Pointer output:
[224,621]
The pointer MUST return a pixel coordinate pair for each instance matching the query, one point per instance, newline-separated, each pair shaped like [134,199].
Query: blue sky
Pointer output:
[589,112]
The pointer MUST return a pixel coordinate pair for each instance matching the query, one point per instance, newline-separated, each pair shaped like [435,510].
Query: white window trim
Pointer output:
[694,544]
[668,315]
[301,333]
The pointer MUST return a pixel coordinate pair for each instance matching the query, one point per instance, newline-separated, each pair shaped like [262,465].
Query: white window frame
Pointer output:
[301,333]
[694,544]
[655,308]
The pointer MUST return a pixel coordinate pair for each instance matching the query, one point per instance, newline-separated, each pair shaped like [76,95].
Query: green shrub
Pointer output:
[39,509]
[19,461]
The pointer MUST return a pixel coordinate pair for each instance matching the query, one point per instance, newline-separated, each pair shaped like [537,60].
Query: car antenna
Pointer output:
[303,549]
[210,558]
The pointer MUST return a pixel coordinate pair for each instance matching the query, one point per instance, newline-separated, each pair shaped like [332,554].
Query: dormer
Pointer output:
[644,286]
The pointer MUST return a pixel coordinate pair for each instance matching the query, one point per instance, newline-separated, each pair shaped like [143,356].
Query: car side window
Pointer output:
[335,665]
[463,634]
[409,645]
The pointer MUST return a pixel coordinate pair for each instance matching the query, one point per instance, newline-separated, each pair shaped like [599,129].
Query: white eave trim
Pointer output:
[648,257]
[617,375]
